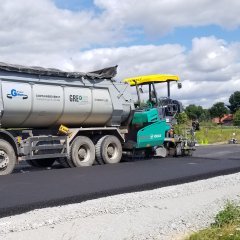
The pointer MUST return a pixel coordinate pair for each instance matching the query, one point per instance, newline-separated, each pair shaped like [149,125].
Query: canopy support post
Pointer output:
[168,88]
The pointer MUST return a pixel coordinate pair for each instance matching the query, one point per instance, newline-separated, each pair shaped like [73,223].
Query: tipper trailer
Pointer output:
[80,119]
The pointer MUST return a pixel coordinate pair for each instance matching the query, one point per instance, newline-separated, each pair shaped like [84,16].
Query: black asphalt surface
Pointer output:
[21,192]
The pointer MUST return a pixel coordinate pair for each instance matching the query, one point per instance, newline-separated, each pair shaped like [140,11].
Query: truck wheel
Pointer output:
[109,150]
[63,162]
[32,163]
[82,152]
[98,149]
[7,158]
[41,162]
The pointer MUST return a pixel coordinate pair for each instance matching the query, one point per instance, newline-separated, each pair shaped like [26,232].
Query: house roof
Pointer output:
[225,118]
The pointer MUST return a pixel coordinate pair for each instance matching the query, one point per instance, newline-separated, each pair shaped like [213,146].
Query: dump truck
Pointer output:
[79,119]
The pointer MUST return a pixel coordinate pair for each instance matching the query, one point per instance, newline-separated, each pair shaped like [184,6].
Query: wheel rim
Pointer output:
[4,160]
[84,153]
[112,151]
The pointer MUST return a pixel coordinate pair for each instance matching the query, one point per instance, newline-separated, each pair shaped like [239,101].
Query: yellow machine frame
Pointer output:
[157,78]
[151,79]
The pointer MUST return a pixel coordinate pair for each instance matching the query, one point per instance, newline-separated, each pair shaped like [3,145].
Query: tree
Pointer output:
[234,101]
[236,118]
[182,118]
[218,110]
[205,116]
[194,112]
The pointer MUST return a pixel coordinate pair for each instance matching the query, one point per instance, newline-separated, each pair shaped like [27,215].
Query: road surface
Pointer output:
[27,190]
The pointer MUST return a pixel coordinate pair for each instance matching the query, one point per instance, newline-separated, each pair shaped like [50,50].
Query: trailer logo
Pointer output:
[78,98]
[14,93]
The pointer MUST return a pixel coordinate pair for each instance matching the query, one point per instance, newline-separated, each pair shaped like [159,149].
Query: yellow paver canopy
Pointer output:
[157,78]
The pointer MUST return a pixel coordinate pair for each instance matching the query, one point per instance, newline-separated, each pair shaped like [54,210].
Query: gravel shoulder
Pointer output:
[164,213]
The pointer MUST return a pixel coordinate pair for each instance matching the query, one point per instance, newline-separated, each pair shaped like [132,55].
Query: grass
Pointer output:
[210,133]
[226,225]
[217,134]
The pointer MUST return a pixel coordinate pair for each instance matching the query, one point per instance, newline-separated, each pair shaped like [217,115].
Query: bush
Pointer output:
[225,227]
[182,118]
[236,118]
[230,214]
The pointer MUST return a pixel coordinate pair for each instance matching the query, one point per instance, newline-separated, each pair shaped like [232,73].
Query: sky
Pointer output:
[198,40]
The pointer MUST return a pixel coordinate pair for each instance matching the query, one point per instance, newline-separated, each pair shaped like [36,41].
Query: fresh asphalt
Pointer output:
[27,189]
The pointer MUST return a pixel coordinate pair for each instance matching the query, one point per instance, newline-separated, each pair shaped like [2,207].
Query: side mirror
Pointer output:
[179,85]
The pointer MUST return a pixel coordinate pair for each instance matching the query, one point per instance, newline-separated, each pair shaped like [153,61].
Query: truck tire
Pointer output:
[32,163]
[63,162]
[41,162]
[95,140]
[98,149]
[82,152]
[109,150]
[7,157]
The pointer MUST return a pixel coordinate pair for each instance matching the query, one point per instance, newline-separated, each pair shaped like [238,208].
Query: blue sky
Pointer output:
[198,40]
[184,35]
[76,5]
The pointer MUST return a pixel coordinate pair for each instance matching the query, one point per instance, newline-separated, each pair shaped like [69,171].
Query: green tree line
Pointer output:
[217,110]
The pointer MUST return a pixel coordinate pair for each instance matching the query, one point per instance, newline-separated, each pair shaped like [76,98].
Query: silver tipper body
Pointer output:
[37,101]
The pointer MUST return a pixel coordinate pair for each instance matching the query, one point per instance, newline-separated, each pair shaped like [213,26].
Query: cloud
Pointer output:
[209,70]
[40,28]
[209,54]
[145,59]
[161,17]
[39,33]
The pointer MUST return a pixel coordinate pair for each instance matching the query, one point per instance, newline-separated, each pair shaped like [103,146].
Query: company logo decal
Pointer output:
[152,136]
[48,97]
[78,98]
[17,94]
[101,99]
